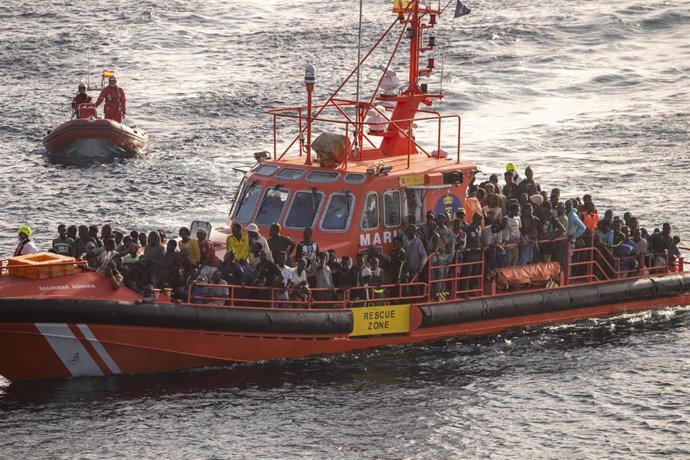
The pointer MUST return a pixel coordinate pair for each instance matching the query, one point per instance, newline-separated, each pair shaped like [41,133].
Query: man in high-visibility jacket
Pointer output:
[115,101]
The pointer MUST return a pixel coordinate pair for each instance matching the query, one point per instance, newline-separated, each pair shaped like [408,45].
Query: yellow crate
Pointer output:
[40,266]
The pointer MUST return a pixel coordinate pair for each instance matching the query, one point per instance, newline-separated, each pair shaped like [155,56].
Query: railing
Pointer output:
[463,276]
[401,127]
[316,298]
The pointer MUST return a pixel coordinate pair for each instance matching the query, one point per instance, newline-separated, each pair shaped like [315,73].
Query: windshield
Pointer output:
[337,216]
[304,208]
[272,206]
[370,212]
[247,202]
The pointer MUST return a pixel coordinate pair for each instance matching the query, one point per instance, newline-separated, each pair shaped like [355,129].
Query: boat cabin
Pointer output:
[348,209]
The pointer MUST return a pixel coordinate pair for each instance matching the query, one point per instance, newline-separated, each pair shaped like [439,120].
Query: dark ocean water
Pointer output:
[595,96]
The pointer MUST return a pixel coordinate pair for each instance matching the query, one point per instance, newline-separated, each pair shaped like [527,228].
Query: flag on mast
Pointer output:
[461,10]
[400,5]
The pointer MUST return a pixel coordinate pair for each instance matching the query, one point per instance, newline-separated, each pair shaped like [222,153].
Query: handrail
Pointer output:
[272,302]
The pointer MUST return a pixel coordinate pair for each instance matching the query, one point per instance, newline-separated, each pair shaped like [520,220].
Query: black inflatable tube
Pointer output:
[552,300]
[207,318]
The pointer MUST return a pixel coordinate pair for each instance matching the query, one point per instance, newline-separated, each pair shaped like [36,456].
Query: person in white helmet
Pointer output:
[115,101]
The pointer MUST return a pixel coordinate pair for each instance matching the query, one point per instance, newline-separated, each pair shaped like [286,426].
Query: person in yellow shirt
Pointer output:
[192,245]
[238,243]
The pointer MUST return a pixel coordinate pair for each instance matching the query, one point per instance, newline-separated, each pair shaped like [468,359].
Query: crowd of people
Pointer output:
[516,224]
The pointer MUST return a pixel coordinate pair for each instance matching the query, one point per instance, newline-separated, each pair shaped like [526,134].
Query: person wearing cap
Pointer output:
[26,243]
[238,242]
[82,97]
[256,237]
[115,101]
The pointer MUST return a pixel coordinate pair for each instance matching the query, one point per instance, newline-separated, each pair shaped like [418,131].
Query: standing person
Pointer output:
[324,278]
[530,235]
[237,242]
[575,231]
[93,233]
[171,269]
[83,239]
[154,255]
[473,255]
[307,248]
[415,254]
[444,252]
[26,243]
[63,244]
[194,253]
[256,237]
[279,243]
[527,185]
[115,101]
[287,279]
[107,232]
[512,234]
[82,97]
[362,279]
[473,204]
[209,262]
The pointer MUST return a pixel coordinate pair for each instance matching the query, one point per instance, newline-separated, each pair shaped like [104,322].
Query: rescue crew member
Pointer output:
[26,243]
[82,97]
[115,101]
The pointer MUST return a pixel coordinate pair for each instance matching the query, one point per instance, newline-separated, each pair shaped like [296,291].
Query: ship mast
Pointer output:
[396,139]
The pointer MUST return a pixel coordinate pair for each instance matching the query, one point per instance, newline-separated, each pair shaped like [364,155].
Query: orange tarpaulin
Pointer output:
[521,275]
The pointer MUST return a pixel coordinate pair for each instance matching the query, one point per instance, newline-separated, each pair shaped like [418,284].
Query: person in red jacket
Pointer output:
[115,101]
[82,97]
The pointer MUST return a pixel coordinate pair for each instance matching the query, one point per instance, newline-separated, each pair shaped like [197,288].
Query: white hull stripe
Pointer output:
[100,349]
[69,349]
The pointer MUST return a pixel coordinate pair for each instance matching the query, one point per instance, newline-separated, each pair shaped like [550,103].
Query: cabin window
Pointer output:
[370,212]
[304,209]
[354,178]
[324,177]
[247,202]
[337,215]
[414,205]
[391,208]
[290,173]
[272,206]
[266,170]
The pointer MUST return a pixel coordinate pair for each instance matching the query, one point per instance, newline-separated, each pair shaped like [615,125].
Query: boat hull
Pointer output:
[92,139]
[61,338]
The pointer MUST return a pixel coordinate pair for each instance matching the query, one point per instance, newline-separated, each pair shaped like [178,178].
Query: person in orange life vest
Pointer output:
[115,101]
[589,216]
[82,97]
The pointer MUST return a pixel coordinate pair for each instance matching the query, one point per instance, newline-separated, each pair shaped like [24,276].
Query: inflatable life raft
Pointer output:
[89,138]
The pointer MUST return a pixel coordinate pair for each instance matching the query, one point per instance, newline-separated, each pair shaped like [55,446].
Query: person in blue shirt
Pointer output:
[575,226]
[575,230]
